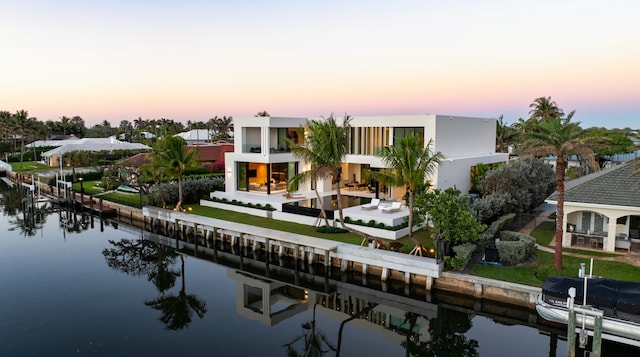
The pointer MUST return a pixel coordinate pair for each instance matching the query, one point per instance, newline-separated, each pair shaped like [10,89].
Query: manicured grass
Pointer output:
[291,227]
[590,253]
[570,265]
[129,199]
[525,274]
[544,233]
[89,187]
[28,166]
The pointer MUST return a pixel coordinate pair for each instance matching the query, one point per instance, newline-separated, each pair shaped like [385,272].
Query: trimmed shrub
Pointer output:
[499,224]
[464,253]
[325,229]
[515,247]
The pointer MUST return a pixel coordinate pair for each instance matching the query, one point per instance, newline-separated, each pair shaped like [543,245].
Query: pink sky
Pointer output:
[192,60]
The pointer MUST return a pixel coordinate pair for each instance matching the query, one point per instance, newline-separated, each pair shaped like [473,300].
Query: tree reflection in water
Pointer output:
[142,257]
[314,340]
[447,336]
[177,311]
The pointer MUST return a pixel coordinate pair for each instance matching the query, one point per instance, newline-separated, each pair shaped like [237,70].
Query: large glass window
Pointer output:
[400,132]
[242,180]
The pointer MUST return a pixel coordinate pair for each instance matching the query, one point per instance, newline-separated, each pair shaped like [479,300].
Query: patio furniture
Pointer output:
[623,242]
[394,207]
[372,205]
[580,239]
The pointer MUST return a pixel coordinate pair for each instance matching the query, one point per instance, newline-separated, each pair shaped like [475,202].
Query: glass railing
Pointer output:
[251,148]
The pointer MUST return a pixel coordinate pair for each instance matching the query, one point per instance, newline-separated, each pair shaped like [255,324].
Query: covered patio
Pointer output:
[602,210]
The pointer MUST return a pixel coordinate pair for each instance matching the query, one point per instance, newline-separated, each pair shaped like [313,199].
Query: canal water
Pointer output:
[74,285]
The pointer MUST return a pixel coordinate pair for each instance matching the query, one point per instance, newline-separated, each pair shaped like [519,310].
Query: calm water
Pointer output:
[107,291]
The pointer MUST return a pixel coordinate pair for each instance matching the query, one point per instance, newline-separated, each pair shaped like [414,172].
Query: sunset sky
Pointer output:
[193,59]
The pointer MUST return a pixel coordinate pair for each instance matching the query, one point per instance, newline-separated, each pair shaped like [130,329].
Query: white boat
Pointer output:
[618,300]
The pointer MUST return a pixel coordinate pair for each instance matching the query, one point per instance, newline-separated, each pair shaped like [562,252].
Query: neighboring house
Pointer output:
[602,209]
[130,167]
[212,154]
[52,157]
[262,162]
[196,136]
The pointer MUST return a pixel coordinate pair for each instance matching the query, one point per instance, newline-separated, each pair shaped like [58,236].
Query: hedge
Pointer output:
[515,247]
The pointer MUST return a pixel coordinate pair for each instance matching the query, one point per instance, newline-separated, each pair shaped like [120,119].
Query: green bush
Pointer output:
[325,229]
[515,247]
[266,207]
[499,224]
[455,263]
[464,253]
[544,271]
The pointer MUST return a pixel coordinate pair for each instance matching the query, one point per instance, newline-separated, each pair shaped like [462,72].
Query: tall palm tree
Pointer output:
[64,124]
[544,108]
[410,166]
[561,138]
[325,146]
[23,125]
[171,153]
[158,174]
[505,134]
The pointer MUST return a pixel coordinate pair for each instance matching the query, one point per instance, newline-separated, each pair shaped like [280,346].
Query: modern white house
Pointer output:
[262,162]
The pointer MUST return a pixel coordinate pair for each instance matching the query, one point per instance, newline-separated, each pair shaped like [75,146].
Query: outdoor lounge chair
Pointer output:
[395,207]
[373,205]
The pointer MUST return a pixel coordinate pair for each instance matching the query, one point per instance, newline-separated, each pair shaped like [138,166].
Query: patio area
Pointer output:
[354,212]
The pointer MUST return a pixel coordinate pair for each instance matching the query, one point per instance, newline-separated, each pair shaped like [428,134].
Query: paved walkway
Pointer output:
[632,258]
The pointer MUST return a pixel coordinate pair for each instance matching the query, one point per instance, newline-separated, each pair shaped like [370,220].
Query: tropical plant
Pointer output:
[324,148]
[170,152]
[505,135]
[544,108]
[560,137]
[450,217]
[157,174]
[410,165]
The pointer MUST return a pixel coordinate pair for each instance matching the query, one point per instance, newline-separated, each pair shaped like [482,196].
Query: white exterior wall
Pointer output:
[611,212]
[465,137]
[463,141]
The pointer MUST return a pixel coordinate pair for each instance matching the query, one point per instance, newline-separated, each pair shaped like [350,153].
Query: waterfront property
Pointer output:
[602,210]
[262,162]
[205,231]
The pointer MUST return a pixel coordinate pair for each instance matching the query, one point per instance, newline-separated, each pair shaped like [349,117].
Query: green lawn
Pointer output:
[544,233]
[291,227]
[525,274]
[28,166]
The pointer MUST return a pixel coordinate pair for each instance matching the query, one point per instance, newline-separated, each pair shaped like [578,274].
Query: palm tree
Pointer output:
[410,165]
[158,174]
[561,138]
[544,108]
[325,146]
[505,134]
[171,153]
[263,113]
[23,125]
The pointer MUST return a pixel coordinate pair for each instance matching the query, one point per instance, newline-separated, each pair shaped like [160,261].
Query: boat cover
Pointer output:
[611,296]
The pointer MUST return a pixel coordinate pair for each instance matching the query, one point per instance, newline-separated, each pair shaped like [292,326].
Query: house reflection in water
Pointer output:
[271,302]
[267,301]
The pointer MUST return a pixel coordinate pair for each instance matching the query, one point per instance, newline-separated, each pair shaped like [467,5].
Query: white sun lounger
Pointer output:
[373,205]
